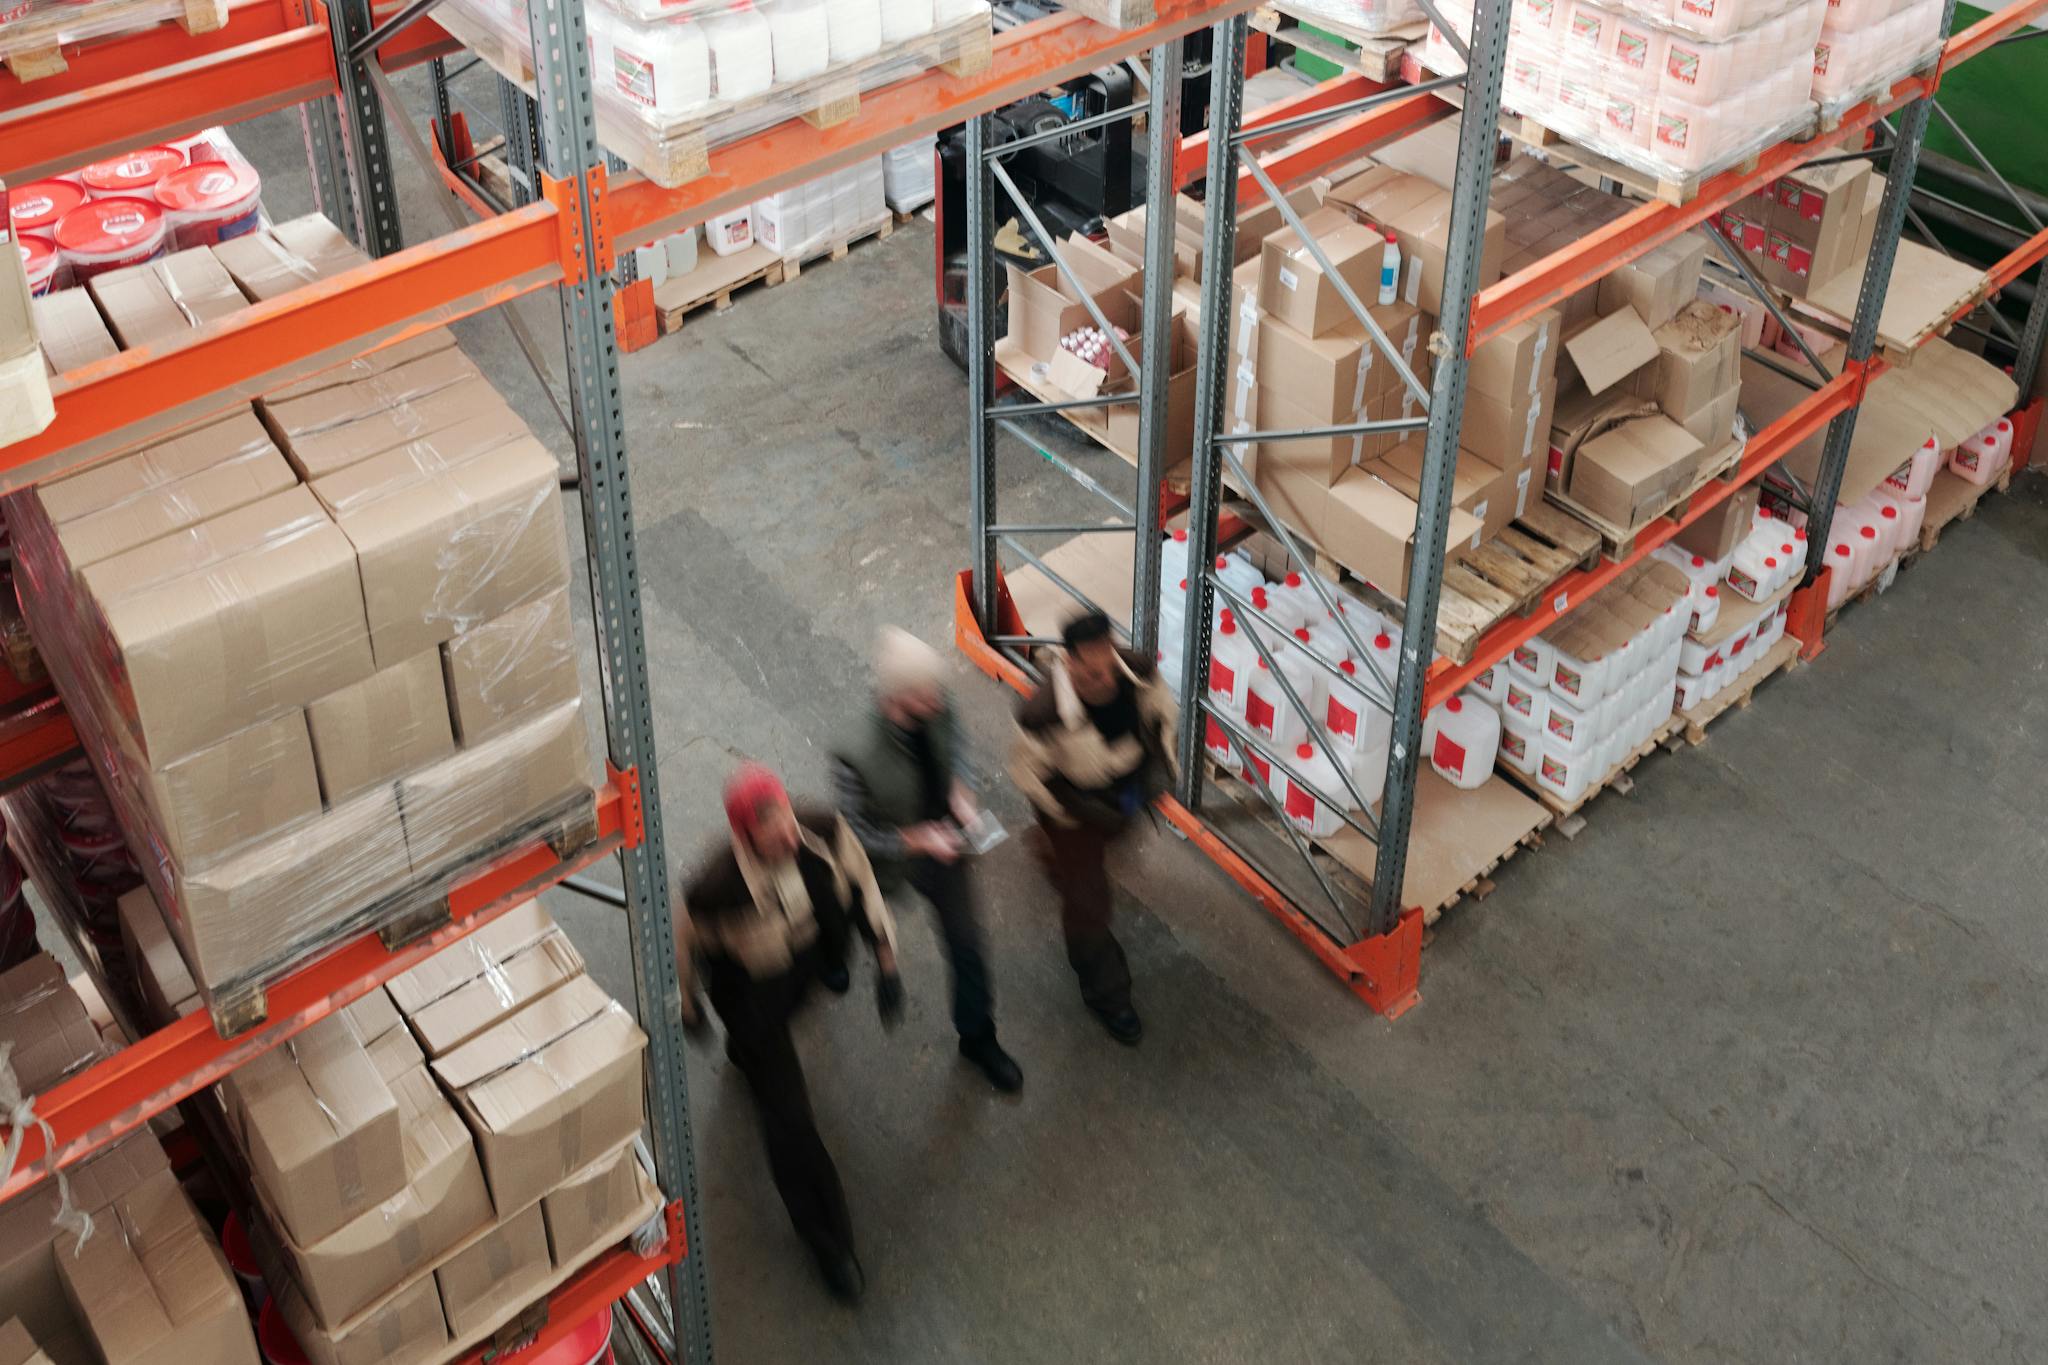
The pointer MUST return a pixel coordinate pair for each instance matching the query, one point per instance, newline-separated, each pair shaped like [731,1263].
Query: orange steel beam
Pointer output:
[161,84]
[1343,140]
[1027,59]
[1987,32]
[153,389]
[1192,162]
[2022,259]
[1500,306]
[1765,449]
[117,1096]
[33,738]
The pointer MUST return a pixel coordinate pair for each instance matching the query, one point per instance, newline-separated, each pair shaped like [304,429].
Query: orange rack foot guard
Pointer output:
[2026,425]
[1806,616]
[633,316]
[1383,971]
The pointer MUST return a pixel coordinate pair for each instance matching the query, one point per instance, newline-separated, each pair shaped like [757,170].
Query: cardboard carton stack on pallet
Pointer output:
[319,652]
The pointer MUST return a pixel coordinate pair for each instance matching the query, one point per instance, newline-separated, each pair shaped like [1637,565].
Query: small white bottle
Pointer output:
[1390,271]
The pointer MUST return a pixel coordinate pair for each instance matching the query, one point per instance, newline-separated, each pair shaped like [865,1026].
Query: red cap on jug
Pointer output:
[1304,750]
[1392,238]
[1699,561]
[1347,667]
[1714,591]
[1770,561]
[1785,549]
[1842,550]
[1180,535]
[1293,580]
[1869,532]
[1228,625]
[1454,705]
[1382,641]
[1301,633]
[1888,510]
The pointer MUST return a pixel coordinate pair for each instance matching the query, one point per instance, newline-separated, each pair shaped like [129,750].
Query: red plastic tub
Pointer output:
[211,202]
[106,234]
[134,173]
[40,261]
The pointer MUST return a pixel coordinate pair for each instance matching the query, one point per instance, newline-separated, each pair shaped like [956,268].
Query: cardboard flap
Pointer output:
[514,931]
[1611,349]
[1073,375]
[524,1035]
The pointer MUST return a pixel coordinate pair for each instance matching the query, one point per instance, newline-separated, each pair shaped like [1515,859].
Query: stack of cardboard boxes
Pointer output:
[147,1282]
[319,653]
[440,1154]
[25,403]
[1806,228]
[1647,390]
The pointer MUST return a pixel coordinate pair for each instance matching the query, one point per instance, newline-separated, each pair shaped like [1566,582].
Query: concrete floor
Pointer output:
[1750,1071]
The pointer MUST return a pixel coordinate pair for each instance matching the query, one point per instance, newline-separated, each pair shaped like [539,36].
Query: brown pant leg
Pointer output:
[1079,871]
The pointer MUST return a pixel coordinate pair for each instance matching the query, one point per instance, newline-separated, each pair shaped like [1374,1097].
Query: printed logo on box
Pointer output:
[1301,805]
[1621,115]
[1683,66]
[1569,680]
[1514,745]
[1341,721]
[1586,26]
[1966,457]
[1560,725]
[1702,8]
[1632,47]
[1741,582]
[1263,769]
[1673,130]
[1448,755]
[634,77]
[1519,700]
[1556,770]
[1214,740]
[1258,713]
[1222,679]
[1526,657]
[1820,59]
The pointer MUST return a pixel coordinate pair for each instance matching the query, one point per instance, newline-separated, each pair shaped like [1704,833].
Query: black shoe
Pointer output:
[999,1066]
[843,1275]
[835,979]
[1124,1026]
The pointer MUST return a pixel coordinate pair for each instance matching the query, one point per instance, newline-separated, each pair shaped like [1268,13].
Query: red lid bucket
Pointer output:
[106,234]
[211,202]
[131,173]
[36,206]
[234,1244]
[39,261]
[275,1340]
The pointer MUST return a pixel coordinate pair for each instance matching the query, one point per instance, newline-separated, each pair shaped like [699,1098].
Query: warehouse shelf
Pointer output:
[1378,962]
[118,1095]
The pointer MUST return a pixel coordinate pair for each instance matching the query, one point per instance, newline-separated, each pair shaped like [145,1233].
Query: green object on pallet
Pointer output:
[1311,64]
[2001,100]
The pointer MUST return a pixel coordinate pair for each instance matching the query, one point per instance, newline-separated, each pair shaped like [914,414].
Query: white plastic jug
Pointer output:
[1312,772]
[1173,556]
[1866,554]
[1563,773]
[2000,433]
[1519,751]
[1238,574]
[1217,743]
[1231,661]
[1525,705]
[1841,565]
[1574,728]
[1533,661]
[1912,515]
[1976,460]
[1460,738]
[1580,681]
[730,233]
[1694,657]
[1284,611]
[1890,524]
[798,31]
[1914,476]
[1361,616]
[1267,711]
[903,20]
[855,29]
[1491,686]
[664,67]
[1301,599]
[1755,573]
[1170,663]
[1692,690]
[742,53]
[1706,608]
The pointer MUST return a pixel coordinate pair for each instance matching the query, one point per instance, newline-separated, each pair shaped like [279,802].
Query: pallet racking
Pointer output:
[572,237]
[1377,952]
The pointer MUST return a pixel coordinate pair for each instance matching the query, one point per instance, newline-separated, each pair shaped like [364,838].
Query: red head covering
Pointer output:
[749,788]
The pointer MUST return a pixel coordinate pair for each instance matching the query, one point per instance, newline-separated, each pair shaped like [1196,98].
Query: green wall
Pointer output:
[2001,98]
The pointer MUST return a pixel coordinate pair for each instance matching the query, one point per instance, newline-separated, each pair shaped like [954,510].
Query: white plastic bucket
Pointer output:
[211,203]
[1461,737]
[131,174]
[40,261]
[39,205]
[106,234]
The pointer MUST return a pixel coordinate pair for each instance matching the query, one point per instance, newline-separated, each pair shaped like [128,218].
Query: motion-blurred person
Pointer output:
[905,788]
[761,916]
[1095,744]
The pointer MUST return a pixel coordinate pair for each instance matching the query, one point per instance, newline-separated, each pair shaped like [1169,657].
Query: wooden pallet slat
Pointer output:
[879,230]
[1738,694]
[713,283]
[1675,188]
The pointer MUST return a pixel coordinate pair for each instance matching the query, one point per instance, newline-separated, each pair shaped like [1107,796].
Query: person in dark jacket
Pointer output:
[1095,745]
[760,916]
[904,786]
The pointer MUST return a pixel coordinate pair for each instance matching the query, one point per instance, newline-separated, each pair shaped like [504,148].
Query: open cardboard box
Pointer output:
[1044,305]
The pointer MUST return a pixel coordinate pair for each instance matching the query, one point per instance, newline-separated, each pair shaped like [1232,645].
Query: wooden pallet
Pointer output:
[32,47]
[1620,542]
[713,283]
[1565,814]
[1675,189]
[1951,499]
[1374,56]
[880,230]
[1738,694]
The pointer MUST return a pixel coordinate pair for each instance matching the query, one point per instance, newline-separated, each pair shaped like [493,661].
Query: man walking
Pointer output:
[1095,744]
[903,786]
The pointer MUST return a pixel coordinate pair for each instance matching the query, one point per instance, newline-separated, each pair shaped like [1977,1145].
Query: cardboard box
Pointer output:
[1716,533]
[1328,457]
[372,1016]
[369,365]
[1335,375]
[390,723]
[1657,283]
[311,413]
[152,1288]
[256,781]
[1419,213]
[444,1201]
[232,620]
[470,986]
[1044,306]
[405,1329]
[508,669]
[548,1090]
[1699,354]
[1820,211]
[1519,362]
[71,330]
[1609,350]
[158,512]
[457,423]
[321,1130]
[1121,426]
[275,901]
[441,547]
[585,1212]
[155,467]
[17,1347]
[1292,286]
[464,804]
[287,256]
[165,298]
[168,991]
[1712,423]
[1127,237]
[1627,473]
[1476,486]
[493,1278]
[1369,527]
[29,1282]
[46,1025]
[1295,493]
[1510,433]
[1578,417]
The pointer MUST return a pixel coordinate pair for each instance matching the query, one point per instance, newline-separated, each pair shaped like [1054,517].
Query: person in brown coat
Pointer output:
[1095,745]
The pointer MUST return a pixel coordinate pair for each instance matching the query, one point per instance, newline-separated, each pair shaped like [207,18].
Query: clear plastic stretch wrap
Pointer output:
[1359,16]
[799,223]
[63,830]
[676,80]
[1865,45]
[1675,93]
[320,654]
[46,1034]
[33,26]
